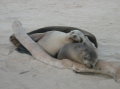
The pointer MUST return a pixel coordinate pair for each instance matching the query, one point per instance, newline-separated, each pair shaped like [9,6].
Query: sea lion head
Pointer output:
[81,53]
[77,36]
[88,55]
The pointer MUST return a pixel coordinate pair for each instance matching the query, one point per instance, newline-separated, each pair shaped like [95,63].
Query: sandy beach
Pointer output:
[21,71]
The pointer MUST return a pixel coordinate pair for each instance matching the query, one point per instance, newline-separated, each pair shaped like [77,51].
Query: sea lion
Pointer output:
[20,48]
[84,53]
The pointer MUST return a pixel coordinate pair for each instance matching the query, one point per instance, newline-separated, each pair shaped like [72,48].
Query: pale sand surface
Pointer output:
[20,71]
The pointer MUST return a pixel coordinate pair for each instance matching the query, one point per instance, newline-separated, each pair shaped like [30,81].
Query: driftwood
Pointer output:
[102,67]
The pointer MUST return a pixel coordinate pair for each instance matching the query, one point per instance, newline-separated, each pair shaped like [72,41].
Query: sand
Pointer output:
[21,71]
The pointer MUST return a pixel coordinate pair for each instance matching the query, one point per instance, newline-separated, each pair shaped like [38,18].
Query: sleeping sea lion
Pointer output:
[84,53]
[22,49]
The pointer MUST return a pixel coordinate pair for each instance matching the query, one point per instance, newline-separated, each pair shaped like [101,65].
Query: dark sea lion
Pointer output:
[84,53]
[22,49]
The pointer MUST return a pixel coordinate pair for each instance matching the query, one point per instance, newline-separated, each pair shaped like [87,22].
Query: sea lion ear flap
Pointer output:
[93,39]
